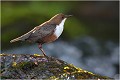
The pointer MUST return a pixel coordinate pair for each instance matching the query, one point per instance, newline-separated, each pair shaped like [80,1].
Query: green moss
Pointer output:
[39,67]
[25,65]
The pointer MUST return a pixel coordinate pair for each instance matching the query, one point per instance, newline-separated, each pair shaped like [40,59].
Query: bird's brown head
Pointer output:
[57,19]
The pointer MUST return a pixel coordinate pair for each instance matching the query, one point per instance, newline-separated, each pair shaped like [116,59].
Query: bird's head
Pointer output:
[58,18]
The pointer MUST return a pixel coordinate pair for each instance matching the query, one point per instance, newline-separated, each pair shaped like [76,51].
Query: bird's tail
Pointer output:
[15,40]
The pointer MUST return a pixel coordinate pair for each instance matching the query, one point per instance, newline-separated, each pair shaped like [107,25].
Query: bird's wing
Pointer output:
[36,33]
[40,32]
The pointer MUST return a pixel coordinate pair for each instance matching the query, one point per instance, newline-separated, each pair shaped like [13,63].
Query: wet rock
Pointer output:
[82,52]
[26,66]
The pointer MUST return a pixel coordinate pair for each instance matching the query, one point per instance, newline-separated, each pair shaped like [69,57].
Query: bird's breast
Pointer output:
[59,29]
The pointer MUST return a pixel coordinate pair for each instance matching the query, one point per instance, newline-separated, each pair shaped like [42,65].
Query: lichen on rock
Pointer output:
[26,66]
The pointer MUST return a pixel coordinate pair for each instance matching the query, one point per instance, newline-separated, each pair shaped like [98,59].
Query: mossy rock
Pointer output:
[26,66]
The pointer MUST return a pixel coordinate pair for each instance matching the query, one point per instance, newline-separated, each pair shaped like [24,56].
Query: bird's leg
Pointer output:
[40,47]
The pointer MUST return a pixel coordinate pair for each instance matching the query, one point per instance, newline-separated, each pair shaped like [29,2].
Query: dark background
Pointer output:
[93,31]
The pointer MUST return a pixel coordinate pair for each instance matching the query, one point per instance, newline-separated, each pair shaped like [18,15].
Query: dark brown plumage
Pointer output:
[44,33]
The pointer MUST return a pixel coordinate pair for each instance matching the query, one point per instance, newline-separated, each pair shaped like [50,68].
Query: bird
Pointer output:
[47,32]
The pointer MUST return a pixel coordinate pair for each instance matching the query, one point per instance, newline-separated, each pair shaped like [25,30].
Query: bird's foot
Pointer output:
[46,56]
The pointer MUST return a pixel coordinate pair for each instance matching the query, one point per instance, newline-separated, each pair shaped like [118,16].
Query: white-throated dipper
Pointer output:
[47,32]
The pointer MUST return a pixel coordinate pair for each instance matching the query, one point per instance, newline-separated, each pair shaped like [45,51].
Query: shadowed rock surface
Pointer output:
[26,66]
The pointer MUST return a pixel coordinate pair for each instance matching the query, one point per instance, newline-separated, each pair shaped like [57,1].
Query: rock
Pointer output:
[26,66]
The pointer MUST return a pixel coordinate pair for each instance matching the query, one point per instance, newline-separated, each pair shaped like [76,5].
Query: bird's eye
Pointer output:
[62,17]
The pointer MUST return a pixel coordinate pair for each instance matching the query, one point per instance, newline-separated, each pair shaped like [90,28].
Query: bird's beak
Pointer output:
[67,16]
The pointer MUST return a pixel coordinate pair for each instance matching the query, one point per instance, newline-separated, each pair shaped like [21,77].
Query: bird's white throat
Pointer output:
[59,28]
